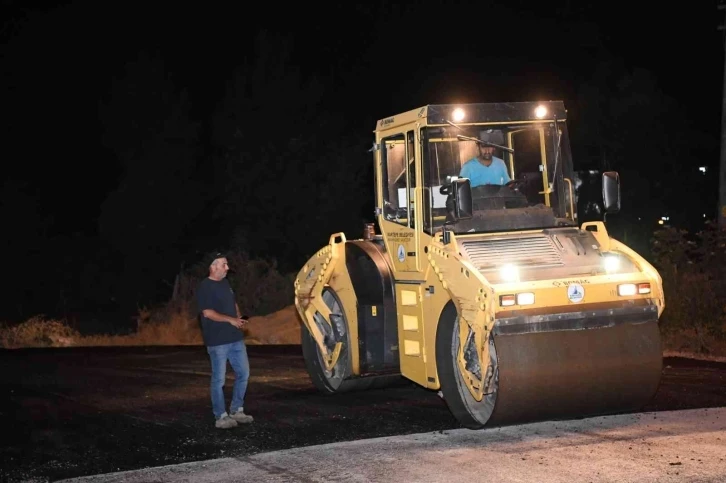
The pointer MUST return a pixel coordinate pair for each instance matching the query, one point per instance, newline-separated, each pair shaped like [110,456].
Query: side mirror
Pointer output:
[611,191]
[461,188]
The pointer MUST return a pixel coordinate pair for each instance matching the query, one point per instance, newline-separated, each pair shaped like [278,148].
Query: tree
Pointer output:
[623,121]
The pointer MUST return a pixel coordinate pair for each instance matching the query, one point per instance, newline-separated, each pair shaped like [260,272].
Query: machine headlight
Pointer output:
[509,273]
[611,263]
[615,262]
[625,289]
[458,115]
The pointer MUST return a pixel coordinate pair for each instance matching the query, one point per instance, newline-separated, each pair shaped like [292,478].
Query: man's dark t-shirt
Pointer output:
[217,295]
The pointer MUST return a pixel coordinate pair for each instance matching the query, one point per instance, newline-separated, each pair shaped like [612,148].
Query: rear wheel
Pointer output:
[333,380]
[468,411]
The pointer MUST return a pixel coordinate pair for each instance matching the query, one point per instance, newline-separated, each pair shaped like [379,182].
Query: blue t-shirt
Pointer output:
[219,296]
[478,174]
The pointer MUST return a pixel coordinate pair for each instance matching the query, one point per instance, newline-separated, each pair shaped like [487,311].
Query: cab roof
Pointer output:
[437,114]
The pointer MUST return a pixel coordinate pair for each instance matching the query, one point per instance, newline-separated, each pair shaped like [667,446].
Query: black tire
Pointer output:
[333,381]
[468,411]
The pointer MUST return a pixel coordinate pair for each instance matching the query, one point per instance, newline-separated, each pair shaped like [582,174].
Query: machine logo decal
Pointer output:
[401,253]
[561,283]
[575,292]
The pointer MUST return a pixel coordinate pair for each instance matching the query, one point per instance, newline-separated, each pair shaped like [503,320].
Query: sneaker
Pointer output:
[225,422]
[241,417]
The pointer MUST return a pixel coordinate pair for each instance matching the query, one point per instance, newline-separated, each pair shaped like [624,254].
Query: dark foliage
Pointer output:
[202,131]
[694,281]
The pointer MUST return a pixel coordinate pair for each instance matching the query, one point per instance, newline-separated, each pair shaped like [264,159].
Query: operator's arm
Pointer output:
[506,177]
[464,172]
[212,314]
[505,172]
[467,171]
[205,300]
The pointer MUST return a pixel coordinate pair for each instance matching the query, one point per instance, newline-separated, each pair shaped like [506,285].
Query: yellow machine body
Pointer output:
[495,294]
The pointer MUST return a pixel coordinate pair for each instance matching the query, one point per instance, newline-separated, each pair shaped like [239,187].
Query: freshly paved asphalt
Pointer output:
[675,446]
[75,412]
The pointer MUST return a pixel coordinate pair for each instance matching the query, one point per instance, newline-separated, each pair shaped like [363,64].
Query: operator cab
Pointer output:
[537,194]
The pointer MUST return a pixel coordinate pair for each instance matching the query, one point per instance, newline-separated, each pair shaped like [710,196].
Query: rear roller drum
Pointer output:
[329,381]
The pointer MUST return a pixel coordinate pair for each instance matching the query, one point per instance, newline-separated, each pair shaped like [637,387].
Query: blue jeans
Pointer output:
[236,354]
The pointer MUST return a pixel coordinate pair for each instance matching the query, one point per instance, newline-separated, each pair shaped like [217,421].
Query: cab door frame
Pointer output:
[402,236]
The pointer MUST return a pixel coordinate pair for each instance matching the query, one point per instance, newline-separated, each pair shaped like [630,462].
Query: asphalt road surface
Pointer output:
[74,412]
[663,447]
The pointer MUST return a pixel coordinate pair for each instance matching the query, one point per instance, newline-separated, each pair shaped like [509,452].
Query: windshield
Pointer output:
[515,171]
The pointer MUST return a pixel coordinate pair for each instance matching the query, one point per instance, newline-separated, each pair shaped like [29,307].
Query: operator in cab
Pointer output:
[486,169]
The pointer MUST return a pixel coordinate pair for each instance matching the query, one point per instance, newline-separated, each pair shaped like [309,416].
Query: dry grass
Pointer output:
[176,324]
[688,343]
[170,325]
[179,327]
[38,332]
[179,330]
[164,327]
[281,327]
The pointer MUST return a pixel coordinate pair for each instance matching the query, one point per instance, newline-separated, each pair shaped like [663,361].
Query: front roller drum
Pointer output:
[339,378]
[577,373]
[561,374]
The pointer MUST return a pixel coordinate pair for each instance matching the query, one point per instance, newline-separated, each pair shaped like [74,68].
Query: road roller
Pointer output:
[477,280]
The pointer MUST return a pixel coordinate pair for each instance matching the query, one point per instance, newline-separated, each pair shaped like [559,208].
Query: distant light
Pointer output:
[702,169]
[660,222]
[704,215]
[540,112]
[458,114]
[665,218]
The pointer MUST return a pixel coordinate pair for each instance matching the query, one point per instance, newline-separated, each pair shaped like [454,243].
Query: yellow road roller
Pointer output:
[478,281]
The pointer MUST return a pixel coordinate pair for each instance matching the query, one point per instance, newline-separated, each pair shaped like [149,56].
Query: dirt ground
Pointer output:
[83,411]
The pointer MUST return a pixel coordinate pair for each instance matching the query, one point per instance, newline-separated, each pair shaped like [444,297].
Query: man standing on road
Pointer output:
[222,333]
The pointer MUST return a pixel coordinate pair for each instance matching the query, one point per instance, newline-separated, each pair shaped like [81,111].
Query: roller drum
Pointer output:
[568,374]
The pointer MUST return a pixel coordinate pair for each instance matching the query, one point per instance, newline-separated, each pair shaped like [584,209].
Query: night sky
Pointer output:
[66,72]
